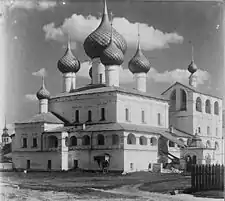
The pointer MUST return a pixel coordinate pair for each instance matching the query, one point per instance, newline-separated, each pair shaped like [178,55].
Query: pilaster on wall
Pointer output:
[64,151]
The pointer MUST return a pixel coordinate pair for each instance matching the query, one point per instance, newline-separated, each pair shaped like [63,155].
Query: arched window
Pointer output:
[216,145]
[127,116]
[216,108]
[153,141]
[115,139]
[208,144]
[208,106]
[89,115]
[183,99]
[85,140]
[73,141]
[173,100]
[171,144]
[66,141]
[208,130]
[52,141]
[101,139]
[131,139]
[143,140]
[199,104]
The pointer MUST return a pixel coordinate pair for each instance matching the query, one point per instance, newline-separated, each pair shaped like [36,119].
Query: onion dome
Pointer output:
[99,39]
[139,63]
[68,63]
[90,72]
[112,55]
[192,68]
[43,93]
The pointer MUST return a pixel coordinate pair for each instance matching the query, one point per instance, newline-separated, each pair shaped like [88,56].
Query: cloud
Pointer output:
[177,75]
[40,73]
[31,4]
[79,27]
[31,97]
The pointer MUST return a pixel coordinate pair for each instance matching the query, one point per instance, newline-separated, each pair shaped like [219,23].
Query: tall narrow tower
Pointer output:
[139,65]
[98,41]
[69,65]
[112,57]
[43,96]
[192,68]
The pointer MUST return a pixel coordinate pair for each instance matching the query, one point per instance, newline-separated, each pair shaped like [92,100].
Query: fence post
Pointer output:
[213,177]
[222,178]
[193,176]
[203,177]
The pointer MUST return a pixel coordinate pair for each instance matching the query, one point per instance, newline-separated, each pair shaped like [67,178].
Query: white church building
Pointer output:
[104,124]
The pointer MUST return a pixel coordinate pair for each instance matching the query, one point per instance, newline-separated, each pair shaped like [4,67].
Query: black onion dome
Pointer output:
[139,63]
[68,63]
[112,55]
[99,39]
[90,72]
[192,68]
[43,93]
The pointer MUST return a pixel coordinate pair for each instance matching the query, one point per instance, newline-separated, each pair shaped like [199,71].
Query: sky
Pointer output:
[36,37]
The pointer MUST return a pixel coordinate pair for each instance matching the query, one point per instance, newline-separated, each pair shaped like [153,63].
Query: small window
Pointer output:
[131,139]
[143,116]
[131,166]
[73,141]
[101,139]
[115,139]
[183,103]
[153,141]
[216,108]
[143,140]
[100,76]
[127,114]
[199,130]
[199,104]
[208,107]
[89,115]
[24,142]
[171,144]
[34,142]
[159,119]
[102,114]
[86,140]
[208,130]
[77,116]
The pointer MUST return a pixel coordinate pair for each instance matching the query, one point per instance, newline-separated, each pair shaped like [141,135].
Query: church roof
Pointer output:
[192,89]
[102,88]
[43,118]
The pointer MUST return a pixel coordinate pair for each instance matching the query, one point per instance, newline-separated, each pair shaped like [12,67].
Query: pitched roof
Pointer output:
[192,89]
[42,118]
[102,88]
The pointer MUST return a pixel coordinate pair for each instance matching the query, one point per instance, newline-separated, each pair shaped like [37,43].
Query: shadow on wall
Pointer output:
[162,147]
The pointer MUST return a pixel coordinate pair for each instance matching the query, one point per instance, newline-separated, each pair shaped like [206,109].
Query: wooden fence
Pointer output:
[207,177]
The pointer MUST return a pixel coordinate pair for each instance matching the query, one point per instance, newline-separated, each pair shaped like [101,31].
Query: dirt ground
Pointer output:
[93,186]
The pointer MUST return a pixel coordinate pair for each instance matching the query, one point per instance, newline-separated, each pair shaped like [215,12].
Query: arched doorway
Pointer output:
[188,160]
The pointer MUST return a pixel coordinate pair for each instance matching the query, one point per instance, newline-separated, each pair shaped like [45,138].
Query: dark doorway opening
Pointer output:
[75,164]
[28,164]
[49,164]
